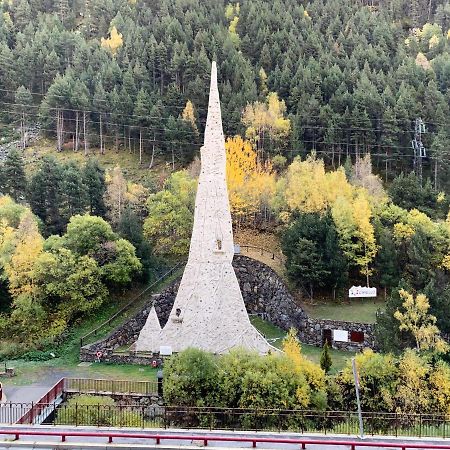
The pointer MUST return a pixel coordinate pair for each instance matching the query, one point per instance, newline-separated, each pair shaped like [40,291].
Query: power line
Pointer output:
[342,145]
[202,122]
[205,110]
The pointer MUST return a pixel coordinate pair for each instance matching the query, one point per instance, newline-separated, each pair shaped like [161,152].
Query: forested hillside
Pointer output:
[352,77]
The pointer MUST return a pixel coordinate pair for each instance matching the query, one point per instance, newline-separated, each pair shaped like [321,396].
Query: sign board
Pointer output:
[362,291]
[165,350]
[340,336]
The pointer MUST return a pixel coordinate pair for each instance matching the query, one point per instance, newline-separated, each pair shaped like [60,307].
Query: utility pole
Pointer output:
[358,401]
[420,151]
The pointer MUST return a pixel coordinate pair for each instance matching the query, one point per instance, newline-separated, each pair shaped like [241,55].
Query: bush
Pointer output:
[240,379]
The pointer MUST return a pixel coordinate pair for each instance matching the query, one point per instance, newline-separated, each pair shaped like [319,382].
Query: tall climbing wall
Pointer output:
[209,311]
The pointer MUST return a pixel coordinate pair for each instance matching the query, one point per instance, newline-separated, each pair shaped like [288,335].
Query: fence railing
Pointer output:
[300,421]
[104,387]
[263,251]
[121,311]
[36,409]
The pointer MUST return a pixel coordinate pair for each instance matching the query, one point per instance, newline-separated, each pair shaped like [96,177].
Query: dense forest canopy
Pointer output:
[353,77]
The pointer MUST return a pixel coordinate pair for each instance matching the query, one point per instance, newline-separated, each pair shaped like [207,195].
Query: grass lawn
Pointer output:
[276,335]
[357,310]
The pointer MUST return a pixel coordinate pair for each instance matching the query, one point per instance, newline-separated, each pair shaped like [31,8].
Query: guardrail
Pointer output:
[130,303]
[158,438]
[275,420]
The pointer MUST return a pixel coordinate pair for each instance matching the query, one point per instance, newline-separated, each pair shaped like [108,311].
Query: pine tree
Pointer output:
[15,182]
[45,195]
[94,180]
[73,191]
[325,358]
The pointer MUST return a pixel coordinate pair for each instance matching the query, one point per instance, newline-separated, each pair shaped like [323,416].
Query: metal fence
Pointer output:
[142,416]
[104,387]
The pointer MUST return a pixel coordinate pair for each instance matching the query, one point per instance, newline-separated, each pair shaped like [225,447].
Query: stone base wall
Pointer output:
[264,293]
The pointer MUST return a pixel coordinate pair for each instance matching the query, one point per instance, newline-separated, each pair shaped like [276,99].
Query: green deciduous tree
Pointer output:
[171,212]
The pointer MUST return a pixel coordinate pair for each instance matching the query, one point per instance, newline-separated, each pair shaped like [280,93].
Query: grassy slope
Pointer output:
[129,162]
[358,310]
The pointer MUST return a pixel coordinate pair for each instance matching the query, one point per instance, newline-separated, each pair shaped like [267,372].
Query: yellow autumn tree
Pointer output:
[440,388]
[356,233]
[251,184]
[114,42]
[29,245]
[310,189]
[188,115]
[312,372]
[267,126]
[415,319]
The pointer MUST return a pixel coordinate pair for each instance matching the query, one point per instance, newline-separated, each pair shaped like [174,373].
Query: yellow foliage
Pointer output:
[29,246]
[446,262]
[403,231]
[422,61]
[266,118]
[365,231]
[304,182]
[251,185]
[312,372]
[440,387]
[310,189]
[8,21]
[412,394]
[114,42]
[292,348]
[434,41]
[422,325]
[352,216]
[188,115]
[136,196]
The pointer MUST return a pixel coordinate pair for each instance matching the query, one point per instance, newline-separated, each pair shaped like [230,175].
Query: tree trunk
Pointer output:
[140,146]
[117,139]
[436,174]
[173,159]
[153,152]
[59,129]
[84,134]
[77,136]
[101,136]
[22,131]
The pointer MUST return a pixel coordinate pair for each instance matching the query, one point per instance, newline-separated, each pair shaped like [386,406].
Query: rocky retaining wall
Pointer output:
[264,293]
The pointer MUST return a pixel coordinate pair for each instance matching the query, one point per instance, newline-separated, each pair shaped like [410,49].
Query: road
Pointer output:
[100,440]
